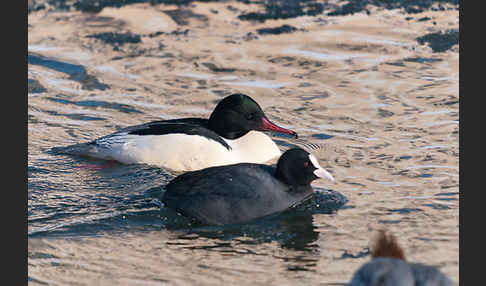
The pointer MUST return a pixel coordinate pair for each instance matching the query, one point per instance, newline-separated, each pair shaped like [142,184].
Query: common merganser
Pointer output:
[231,135]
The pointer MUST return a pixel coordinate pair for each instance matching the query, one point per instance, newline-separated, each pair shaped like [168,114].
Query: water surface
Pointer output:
[377,107]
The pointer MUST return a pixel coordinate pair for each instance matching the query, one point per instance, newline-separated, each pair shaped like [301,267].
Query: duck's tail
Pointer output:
[81,149]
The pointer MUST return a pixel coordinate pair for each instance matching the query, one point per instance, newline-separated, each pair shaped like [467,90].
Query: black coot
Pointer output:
[242,192]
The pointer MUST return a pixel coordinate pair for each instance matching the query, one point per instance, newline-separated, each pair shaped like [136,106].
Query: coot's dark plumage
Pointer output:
[230,135]
[242,192]
[389,268]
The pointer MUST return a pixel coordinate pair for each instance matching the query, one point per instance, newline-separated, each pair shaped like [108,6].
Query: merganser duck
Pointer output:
[389,268]
[242,192]
[230,135]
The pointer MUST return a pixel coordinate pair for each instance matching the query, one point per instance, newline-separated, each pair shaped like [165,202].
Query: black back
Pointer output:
[190,126]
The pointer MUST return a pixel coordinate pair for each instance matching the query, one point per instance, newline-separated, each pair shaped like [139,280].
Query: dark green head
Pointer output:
[237,114]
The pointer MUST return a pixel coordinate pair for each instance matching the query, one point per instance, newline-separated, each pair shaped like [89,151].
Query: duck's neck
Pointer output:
[227,123]
[255,147]
[232,135]
[224,127]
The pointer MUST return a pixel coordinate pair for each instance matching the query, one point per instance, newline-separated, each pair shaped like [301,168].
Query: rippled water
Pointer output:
[379,109]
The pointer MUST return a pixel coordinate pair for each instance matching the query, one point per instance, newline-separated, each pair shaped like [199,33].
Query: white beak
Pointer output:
[320,172]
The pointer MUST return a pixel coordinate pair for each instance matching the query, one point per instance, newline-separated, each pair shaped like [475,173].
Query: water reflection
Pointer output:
[292,229]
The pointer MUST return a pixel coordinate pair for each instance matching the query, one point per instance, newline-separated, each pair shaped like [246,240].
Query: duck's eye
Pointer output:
[250,116]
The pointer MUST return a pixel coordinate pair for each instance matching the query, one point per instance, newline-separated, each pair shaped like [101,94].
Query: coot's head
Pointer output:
[298,167]
[237,114]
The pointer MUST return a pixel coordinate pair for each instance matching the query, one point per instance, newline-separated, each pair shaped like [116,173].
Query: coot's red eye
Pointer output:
[306,164]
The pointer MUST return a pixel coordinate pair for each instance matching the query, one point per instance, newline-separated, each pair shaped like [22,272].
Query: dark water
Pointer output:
[121,198]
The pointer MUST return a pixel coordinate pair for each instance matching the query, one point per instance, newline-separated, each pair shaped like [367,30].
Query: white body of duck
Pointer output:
[182,152]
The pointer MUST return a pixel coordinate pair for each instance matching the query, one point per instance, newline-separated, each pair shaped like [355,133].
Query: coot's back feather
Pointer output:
[228,194]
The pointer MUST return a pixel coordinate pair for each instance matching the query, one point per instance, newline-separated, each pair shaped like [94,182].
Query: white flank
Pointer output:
[182,152]
[254,147]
